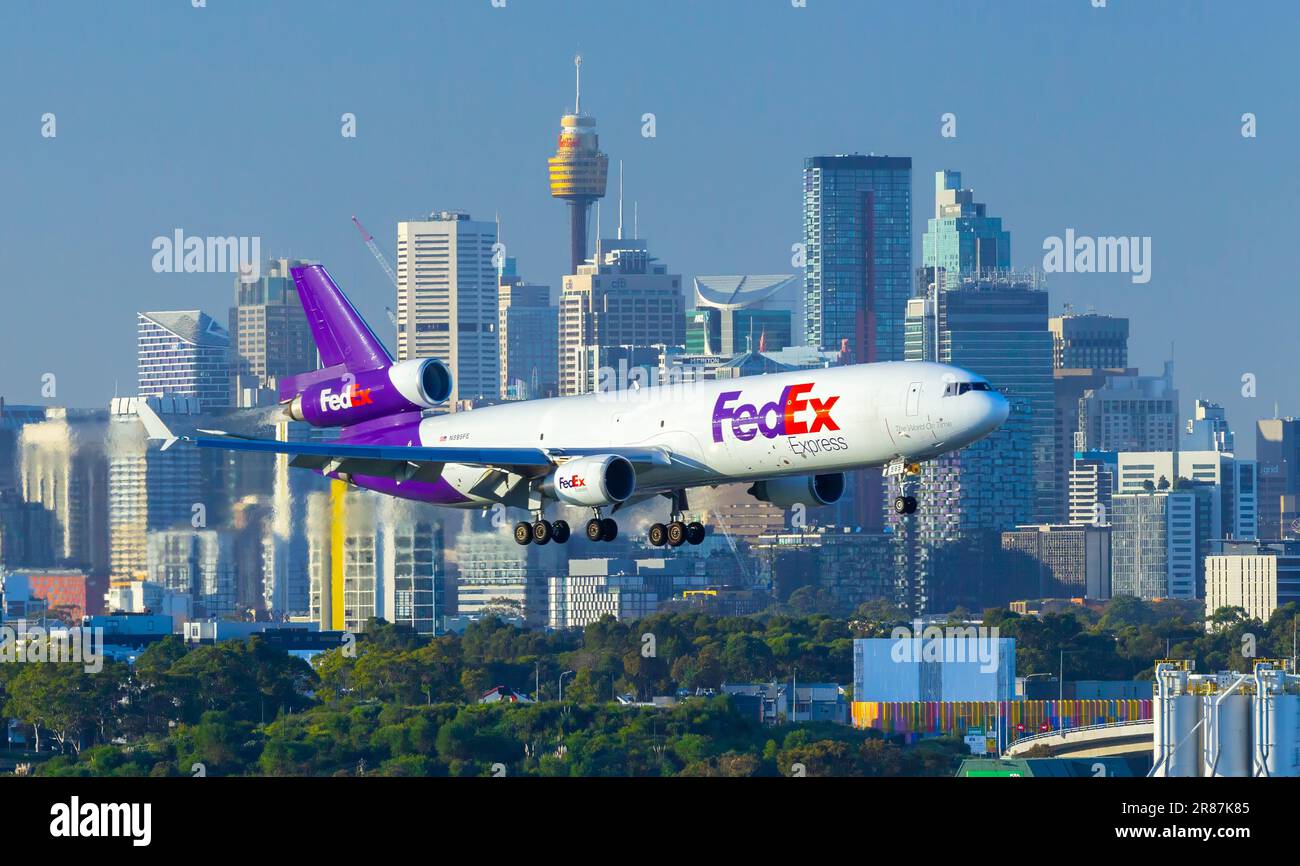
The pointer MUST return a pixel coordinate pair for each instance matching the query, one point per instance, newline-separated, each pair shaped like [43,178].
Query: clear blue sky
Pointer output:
[225,120]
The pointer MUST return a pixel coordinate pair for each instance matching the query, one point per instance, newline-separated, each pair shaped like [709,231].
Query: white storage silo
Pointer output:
[1276,720]
[1175,714]
[1226,734]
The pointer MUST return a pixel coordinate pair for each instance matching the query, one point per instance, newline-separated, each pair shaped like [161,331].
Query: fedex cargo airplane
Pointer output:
[792,435]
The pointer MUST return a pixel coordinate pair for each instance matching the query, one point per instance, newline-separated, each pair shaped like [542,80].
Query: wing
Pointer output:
[402,462]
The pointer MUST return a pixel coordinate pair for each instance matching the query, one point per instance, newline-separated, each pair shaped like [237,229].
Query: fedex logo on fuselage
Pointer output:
[572,482]
[785,416]
[350,397]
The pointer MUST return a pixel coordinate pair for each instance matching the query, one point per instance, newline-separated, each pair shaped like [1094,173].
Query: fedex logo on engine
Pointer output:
[788,415]
[350,397]
[573,482]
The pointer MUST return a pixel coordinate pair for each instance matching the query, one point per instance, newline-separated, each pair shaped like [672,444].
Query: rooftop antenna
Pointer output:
[577,84]
[620,199]
[501,263]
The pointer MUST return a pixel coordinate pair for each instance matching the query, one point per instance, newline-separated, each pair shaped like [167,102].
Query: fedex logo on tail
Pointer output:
[792,414]
[351,396]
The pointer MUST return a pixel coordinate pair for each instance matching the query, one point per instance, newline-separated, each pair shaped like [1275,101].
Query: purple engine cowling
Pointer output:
[352,398]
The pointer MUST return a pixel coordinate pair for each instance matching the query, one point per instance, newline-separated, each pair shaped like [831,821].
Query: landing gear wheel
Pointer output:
[900,504]
[560,531]
[676,533]
[608,529]
[542,532]
[695,532]
[594,530]
[658,534]
[523,533]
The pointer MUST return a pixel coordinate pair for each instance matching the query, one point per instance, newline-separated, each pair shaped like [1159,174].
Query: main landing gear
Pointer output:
[542,531]
[676,532]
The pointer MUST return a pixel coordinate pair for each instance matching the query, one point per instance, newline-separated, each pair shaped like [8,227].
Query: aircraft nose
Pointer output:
[995,411]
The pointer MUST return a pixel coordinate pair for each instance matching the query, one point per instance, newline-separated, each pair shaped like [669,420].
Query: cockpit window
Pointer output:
[954,388]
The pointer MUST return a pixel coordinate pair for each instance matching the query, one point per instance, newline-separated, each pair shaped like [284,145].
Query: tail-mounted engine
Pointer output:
[420,383]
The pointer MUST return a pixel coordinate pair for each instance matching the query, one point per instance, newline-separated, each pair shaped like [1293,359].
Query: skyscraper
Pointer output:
[374,556]
[183,353]
[995,325]
[447,300]
[1089,341]
[1277,448]
[578,171]
[149,489]
[623,303]
[858,249]
[62,467]
[528,334]
[1130,413]
[1207,429]
[962,239]
[269,334]
[1156,542]
[1086,351]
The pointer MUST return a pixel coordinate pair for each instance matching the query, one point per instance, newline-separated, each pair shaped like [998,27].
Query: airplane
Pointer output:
[792,436]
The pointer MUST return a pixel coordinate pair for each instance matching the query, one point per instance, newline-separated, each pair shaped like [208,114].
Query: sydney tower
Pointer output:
[578,171]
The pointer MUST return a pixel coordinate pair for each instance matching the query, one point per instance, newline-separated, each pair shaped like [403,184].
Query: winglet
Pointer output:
[154,425]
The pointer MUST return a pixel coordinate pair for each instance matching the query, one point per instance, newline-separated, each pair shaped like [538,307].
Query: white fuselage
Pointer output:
[800,423]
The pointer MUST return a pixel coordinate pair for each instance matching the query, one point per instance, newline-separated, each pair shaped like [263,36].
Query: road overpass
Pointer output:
[1092,741]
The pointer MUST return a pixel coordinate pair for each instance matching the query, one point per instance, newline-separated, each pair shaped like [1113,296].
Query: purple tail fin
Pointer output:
[342,336]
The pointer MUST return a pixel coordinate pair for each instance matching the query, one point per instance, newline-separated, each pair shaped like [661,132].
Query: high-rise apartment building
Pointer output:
[858,254]
[447,304]
[62,466]
[620,304]
[1157,542]
[373,556]
[149,489]
[183,353]
[996,325]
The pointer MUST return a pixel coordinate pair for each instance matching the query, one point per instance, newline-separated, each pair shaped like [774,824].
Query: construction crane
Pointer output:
[374,250]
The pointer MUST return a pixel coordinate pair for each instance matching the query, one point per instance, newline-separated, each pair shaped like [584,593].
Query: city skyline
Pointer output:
[487,138]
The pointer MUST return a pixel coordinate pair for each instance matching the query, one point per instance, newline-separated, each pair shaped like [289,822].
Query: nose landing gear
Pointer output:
[909,478]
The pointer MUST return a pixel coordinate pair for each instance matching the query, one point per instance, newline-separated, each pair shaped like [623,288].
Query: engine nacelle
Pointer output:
[420,383]
[603,479]
[800,490]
